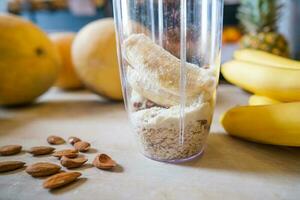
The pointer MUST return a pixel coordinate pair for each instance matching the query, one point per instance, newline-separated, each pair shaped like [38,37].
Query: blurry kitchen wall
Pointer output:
[71,15]
[59,15]
[289,25]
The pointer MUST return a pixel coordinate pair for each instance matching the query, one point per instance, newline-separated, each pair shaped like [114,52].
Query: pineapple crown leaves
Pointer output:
[259,15]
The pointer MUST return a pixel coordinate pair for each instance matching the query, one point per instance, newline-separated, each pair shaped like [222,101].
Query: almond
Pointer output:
[103,161]
[6,166]
[70,153]
[82,146]
[60,179]
[72,140]
[42,169]
[72,162]
[10,150]
[41,150]
[55,140]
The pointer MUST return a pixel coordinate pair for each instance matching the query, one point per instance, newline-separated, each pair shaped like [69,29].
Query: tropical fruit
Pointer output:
[279,83]
[94,55]
[265,58]
[29,62]
[259,20]
[68,78]
[277,124]
[256,100]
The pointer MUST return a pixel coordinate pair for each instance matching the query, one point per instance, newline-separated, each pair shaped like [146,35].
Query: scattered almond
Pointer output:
[82,146]
[42,169]
[60,179]
[103,161]
[41,150]
[6,166]
[72,140]
[10,150]
[72,162]
[70,153]
[55,140]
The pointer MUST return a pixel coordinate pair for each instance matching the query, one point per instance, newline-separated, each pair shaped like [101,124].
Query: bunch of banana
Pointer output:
[273,116]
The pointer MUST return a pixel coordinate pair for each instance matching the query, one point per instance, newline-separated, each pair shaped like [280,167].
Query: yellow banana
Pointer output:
[264,58]
[278,83]
[277,124]
[255,100]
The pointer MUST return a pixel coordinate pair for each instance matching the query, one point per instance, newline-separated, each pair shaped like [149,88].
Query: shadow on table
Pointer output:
[14,118]
[13,172]
[224,152]
[70,187]
[62,108]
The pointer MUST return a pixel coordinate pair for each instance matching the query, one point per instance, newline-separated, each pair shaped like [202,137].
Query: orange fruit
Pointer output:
[68,78]
[94,54]
[29,62]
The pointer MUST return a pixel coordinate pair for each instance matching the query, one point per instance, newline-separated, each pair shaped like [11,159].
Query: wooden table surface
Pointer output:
[230,168]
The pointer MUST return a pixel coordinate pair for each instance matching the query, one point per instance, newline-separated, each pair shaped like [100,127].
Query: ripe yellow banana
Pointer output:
[277,124]
[255,100]
[264,58]
[278,83]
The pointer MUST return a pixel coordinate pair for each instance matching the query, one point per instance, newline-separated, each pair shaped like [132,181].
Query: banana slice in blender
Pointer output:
[155,73]
[152,90]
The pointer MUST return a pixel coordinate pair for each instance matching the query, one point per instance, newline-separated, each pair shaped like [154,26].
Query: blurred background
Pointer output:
[71,15]
[87,47]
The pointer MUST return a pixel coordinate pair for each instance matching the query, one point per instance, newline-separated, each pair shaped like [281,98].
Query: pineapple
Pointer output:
[259,20]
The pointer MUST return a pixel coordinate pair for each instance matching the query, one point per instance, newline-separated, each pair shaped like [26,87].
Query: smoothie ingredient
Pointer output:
[72,162]
[154,76]
[154,73]
[42,169]
[41,150]
[256,100]
[67,79]
[10,150]
[72,140]
[103,161]
[265,58]
[29,61]
[70,153]
[55,140]
[6,166]
[277,124]
[82,146]
[60,179]
[259,18]
[94,54]
[282,84]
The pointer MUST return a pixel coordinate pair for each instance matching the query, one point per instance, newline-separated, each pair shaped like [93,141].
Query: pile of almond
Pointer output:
[69,158]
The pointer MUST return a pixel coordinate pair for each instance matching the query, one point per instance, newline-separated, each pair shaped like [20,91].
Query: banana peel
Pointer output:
[255,100]
[265,58]
[282,84]
[277,124]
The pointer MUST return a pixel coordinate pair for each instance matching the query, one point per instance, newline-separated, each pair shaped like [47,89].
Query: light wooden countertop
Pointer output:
[229,169]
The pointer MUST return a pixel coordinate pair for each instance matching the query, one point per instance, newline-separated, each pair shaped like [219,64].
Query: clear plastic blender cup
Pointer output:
[169,58]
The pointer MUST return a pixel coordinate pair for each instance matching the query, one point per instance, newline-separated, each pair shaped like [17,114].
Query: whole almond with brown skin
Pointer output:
[72,140]
[82,146]
[72,162]
[41,150]
[70,153]
[61,179]
[103,161]
[6,166]
[42,169]
[53,139]
[10,150]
